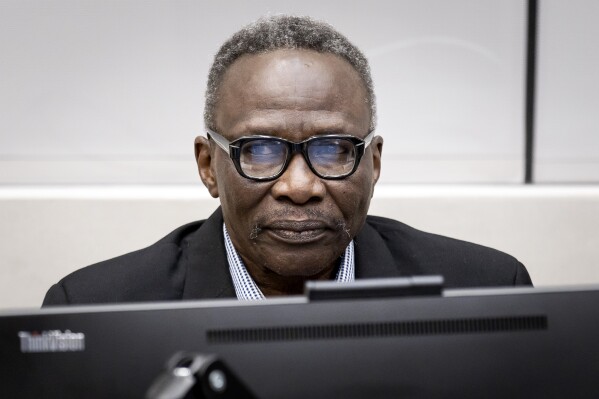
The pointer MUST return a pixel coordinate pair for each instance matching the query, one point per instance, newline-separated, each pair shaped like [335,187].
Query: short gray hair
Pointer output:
[285,32]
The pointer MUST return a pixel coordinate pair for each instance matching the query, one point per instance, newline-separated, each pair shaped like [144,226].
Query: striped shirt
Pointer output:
[245,286]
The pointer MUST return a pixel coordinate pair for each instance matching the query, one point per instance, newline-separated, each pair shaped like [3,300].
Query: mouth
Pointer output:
[297,231]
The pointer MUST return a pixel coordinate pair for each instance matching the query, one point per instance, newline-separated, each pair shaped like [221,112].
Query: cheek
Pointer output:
[352,197]
[229,184]
[240,198]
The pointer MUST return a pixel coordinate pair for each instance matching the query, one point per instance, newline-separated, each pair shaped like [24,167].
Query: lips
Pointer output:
[297,231]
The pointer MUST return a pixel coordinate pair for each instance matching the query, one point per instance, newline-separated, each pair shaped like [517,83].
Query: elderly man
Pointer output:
[292,154]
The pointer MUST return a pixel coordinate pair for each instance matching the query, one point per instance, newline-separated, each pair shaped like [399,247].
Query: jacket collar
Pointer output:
[373,258]
[204,258]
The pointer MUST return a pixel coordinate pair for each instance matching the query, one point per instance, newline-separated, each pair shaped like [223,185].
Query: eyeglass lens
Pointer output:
[329,156]
[262,157]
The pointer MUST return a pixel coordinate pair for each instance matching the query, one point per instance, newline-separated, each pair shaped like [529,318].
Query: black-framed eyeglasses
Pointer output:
[264,158]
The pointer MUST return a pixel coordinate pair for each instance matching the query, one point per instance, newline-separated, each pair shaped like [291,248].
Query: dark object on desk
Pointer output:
[492,343]
[197,376]
[376,288]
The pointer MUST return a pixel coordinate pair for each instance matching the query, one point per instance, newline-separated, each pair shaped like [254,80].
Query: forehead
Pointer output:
[292,92]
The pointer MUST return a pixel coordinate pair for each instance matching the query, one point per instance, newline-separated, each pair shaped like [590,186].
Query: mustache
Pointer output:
[310,214]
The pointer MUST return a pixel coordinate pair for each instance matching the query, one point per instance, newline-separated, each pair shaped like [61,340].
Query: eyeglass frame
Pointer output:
[233,149]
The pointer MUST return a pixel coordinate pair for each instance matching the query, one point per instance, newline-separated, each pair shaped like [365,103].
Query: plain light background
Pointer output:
[111,91]
[100,101]
[568,92]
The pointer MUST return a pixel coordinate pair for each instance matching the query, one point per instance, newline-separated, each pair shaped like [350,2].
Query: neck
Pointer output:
[272,284]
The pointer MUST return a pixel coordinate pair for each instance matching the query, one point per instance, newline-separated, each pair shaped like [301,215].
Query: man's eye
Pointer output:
[260,149]
[330,148]
[263,148]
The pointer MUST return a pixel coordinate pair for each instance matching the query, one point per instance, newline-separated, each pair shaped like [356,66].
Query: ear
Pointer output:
[377,152]
[206,165]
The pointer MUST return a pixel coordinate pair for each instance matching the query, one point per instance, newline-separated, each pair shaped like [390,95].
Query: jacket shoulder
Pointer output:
[151,273]
[462,263]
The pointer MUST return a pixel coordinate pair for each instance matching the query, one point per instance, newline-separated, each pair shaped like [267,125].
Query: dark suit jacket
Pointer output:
[191,263]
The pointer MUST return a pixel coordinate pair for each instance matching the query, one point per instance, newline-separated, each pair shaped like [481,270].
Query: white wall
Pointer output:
[112,91]
[567,148]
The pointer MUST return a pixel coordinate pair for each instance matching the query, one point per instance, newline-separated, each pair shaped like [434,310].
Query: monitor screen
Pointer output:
[492,343]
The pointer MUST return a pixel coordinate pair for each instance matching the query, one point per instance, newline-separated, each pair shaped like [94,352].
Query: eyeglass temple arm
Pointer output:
[368,139]
[219,140]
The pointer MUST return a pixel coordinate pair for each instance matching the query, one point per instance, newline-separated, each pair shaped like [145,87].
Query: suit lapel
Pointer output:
[373,258]
[205,259]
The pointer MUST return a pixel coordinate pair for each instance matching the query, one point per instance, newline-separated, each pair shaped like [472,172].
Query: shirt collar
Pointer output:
[247,289]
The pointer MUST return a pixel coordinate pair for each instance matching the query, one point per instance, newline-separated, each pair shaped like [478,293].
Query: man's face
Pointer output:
[298,225]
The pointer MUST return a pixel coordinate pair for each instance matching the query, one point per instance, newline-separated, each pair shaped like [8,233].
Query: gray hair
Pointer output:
[285,32]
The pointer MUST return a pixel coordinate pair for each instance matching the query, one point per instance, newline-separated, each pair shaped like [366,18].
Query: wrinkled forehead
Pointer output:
[284,89]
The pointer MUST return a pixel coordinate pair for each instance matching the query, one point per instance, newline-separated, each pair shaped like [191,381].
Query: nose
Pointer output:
[298,183]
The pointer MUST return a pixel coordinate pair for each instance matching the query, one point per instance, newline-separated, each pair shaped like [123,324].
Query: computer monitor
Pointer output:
[491,343]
